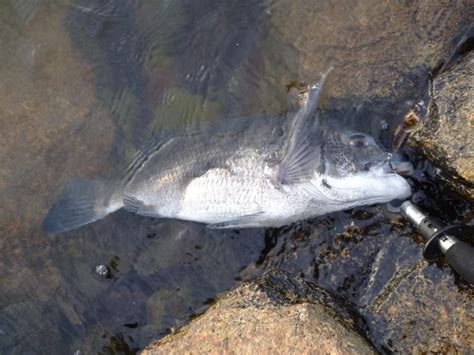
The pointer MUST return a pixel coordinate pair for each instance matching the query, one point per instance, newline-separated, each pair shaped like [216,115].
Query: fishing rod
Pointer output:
[443,240]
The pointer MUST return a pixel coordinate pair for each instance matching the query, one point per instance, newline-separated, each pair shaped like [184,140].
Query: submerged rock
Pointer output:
[52,127]
[446,135]
[257,318]
[378,49]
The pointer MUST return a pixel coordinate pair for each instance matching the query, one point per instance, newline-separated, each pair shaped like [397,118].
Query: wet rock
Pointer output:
[375,267]
[257,318]
[446,135]
[374,55]
[424,312]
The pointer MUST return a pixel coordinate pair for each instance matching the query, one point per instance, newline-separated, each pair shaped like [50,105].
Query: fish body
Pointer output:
[229,175]
[249,173]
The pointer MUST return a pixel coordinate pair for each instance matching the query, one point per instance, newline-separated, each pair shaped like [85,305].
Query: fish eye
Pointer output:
[358,141]
[367,166]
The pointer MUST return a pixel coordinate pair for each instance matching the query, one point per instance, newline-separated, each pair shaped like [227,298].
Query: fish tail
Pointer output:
[83,201]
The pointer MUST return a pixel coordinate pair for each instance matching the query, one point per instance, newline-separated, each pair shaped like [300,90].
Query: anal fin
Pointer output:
[245,221]
[133,204]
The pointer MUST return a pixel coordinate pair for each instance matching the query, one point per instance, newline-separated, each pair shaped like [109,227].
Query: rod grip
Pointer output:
[461,258]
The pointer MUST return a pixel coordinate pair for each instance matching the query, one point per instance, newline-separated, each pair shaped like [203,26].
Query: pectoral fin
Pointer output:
[303,152]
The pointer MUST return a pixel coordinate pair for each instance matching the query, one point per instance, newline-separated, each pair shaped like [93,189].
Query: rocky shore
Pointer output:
[446,136]
[257,318]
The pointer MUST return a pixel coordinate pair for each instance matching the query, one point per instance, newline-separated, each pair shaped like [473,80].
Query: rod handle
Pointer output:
[461,258]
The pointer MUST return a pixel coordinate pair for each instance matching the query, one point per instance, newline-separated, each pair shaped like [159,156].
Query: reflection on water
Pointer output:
[84,83]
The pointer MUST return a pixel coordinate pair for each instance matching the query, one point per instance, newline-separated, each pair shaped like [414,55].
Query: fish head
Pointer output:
[358,171]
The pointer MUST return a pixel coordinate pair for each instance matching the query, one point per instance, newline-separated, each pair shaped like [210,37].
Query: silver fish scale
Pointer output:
[186,179]
[240,189]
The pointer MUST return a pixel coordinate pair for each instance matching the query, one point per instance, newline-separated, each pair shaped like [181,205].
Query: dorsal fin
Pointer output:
[302,152]
[140,158]
[155,145]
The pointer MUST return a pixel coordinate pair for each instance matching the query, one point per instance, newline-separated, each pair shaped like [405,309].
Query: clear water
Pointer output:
[83,84]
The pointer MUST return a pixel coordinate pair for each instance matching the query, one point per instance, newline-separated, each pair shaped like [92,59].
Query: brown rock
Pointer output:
[379,50]
[370,52]
[425,312]
[249,320]
[446,136]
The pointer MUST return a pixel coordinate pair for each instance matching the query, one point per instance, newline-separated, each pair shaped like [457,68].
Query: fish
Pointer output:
[243,173]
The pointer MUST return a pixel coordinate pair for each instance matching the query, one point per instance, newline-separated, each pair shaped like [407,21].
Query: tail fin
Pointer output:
[83,201]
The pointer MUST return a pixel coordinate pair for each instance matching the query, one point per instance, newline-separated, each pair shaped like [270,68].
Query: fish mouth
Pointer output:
[379,185]
[395,164]
[404,168]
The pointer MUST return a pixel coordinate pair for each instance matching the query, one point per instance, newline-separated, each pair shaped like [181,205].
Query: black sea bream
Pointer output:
[259,172]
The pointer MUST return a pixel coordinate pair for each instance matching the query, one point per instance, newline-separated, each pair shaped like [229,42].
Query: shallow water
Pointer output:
[83,84]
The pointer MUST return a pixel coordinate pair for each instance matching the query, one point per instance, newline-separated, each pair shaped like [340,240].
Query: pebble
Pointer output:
[102,271]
